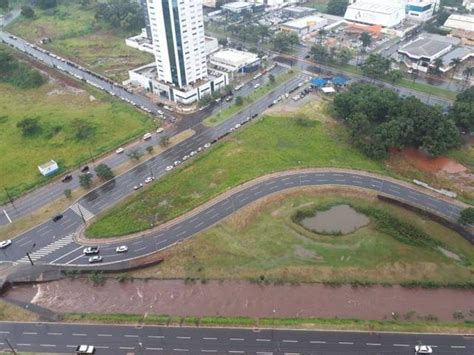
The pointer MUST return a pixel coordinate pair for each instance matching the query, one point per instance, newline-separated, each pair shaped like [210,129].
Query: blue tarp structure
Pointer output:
[318,82]
[340,80]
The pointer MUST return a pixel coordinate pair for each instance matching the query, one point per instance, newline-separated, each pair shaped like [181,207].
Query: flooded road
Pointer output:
[175,297]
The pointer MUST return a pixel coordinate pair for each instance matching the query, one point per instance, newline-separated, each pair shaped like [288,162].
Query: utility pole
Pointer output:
[11,347]
[28,254]
[80,211]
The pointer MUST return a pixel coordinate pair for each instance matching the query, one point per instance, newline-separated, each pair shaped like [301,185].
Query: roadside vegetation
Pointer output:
[18,74]
[61,120]
[10,312]
[430,325]
[264,243]
[89,32]
[271,144]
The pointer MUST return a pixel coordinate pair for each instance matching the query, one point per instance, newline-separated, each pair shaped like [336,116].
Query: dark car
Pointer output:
[85,169]
[67,178]
[57,217]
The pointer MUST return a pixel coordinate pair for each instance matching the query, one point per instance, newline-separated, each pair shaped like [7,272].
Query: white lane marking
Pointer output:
[79,334]
[70,261]
[404,345]
[154,349]
[48,345]
[208,351]
[126,348]
[207,338]
[101,347]
[289,341]
[23,344]
[63,256]
[373,344]
[264,353]
[55,333]
[30,333]
[72,346]
[181,337]
[260,339]
[317,342]
[180,349]
[458,347]
[346,343]
[130,336]
[237,339]
[236,352]
[104,335]
[4,332]
[199,225]
[156,336]
[140,249]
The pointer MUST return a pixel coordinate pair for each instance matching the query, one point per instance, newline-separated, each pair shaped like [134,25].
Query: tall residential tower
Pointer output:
[177,31]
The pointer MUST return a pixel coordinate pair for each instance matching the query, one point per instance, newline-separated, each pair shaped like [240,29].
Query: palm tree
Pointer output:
[467,73]
[438,63]
[455,62]
[322,32]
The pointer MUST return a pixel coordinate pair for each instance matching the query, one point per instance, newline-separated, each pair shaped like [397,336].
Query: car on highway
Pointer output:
[207,145]
[119,150]
[146,136]
[193,153]
[423,349]
[177,162]
[91,250]
[169,167]
[256,86]
[139,186]
[5,243]
[186,157]
[95,259]
[85,169]
[57,217]
[160,130]
[66,178]
[149,179]
[121,249]
[237,126]
[85,349]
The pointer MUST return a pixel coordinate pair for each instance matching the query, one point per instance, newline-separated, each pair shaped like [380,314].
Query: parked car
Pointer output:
[169,167]
[91,250]
[67,178]
[5,243]
[186,157]
[119,150]
[139,186]
[423,349]
[146,136]
[121,249]
[160,130]
[85,349]
[177,162]
[256,86]
[95,259]
[207,145]
[149,179]
[85,169]
[57,217]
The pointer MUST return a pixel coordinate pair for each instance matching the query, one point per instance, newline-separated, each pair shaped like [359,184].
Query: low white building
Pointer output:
[374,13]
[48,168]
[304,25]
[460,22]
[237,7]
[232,60]
[274,3]
[420,10]
[468,4]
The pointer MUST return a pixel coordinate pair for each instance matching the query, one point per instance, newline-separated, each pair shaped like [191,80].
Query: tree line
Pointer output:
[379,119]
[18,74]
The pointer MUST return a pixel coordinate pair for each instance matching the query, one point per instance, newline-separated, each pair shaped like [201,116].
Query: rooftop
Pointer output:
[383,8]
[429,46]
[238,5]
[47,165]
[304,21]
[234,57]
[464,22]
[461,53]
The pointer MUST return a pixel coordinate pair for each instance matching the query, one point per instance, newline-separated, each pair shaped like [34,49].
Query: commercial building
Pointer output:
[238,7]
[147,18]
[420,10]
[375,13]
[274,3]
[48,168]
[460,22]
[304,25]
[468,4]
[180,70]
[421,53]
[298,11]
[232,60]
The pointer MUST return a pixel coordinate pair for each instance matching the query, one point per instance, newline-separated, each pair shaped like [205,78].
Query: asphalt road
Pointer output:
[54,190]
[115,340]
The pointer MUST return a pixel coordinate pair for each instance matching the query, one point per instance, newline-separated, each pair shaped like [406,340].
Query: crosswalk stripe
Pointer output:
[82,211]
[48,249]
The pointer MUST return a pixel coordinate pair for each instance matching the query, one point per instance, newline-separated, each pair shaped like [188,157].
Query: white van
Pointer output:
[146,136]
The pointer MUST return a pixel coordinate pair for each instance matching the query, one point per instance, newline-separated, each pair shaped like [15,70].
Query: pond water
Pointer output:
[338,219]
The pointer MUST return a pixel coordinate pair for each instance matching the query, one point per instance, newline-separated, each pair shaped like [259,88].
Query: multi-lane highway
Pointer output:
[117,340]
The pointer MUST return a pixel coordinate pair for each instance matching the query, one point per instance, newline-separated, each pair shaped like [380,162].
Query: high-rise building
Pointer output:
[177,29]
[143,4]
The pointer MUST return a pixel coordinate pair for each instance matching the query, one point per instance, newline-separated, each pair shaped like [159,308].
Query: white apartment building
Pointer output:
[177,29]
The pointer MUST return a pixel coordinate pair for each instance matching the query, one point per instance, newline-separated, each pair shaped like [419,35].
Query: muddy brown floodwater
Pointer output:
[338,219]
[174,297]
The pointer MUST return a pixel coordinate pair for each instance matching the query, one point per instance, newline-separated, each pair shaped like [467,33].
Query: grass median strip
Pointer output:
[226,113]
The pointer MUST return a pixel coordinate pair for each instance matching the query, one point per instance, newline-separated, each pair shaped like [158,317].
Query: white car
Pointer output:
[95,259]
[149,179]
[207,145]
[160,130]
[146,136]
[177,162]
[186,157]
[169,167]
[139,186]
[193,153]
[85,349]
[199,149]
[91,250]
[423,349]
[119,150]
[5,243]
[121,249]
[256,86]
[237,126]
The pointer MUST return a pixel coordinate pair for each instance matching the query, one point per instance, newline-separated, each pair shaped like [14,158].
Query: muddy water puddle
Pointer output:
[341,219]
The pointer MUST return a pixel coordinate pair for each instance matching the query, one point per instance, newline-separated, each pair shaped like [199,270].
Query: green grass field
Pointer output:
[262,243]
[56,105]
[268,145]
[226,113]
[75,34]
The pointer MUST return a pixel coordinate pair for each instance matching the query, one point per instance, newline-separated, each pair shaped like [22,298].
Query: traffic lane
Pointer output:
[225,340]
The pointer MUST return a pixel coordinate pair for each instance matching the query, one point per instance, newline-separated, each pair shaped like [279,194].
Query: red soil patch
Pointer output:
[174,297]
[423,162]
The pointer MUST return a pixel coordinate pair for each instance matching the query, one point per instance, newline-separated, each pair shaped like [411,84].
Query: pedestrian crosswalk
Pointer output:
[48,249]
[82,211]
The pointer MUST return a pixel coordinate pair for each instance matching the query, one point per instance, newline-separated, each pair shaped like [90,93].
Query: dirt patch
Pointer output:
[427,164]
[175,297]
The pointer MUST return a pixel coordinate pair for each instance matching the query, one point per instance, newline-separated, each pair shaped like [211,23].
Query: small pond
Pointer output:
[341,219]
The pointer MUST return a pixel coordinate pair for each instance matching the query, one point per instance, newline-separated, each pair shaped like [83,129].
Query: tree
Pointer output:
[394,76]
[206,100]
[271,78]
[135,154]
[46,4]
[466,216]
[165,141]
[239,101]
[455,62]
[29,126]
[68,193]
[337,7]
[376,66]
[27,11]
[104,172]
[437,64]
[123,14]
[284,41]
[223,41]
[149,149]
[85,180]
[322,32]
[366,40]
[227,90]
[462,111]
[467,73]
[82,129]
[320,54]
[344,56]
[4,4]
